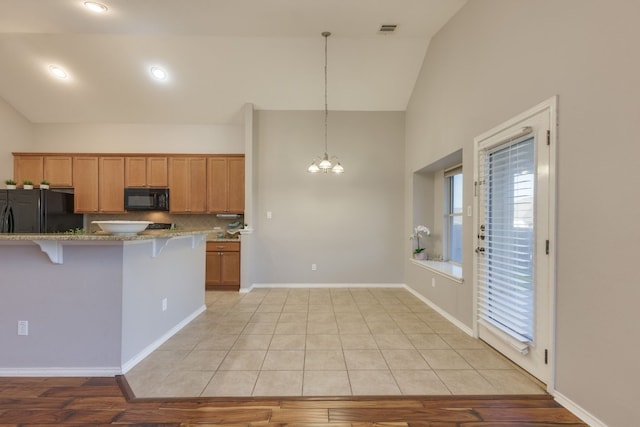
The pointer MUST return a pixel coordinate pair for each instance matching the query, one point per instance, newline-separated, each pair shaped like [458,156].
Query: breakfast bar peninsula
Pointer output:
[95,304]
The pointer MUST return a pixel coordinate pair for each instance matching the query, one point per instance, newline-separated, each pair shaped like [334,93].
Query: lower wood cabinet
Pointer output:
[223,266]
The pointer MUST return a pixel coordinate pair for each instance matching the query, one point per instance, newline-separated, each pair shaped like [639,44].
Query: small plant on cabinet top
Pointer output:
[10,182]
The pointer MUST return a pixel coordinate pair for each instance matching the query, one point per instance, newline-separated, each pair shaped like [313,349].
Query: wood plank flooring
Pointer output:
[39,402]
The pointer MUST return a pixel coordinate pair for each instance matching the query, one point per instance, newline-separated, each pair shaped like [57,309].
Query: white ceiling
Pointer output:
[220,54]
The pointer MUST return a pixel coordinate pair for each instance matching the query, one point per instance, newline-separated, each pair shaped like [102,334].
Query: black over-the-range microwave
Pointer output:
[146,199]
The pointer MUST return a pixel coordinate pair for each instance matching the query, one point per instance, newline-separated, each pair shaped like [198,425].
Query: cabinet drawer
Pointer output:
[223,246]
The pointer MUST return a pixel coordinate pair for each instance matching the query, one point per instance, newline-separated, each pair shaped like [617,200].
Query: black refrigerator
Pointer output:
[38,211]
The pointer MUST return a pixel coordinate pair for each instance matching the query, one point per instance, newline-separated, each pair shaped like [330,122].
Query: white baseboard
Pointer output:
[577,410]
[324,285]
[440,311]
[61,372]
[129,364]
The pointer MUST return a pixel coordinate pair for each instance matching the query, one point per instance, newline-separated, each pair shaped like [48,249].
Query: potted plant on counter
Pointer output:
[11,184]
[27,184]
[418,252]
[44,184]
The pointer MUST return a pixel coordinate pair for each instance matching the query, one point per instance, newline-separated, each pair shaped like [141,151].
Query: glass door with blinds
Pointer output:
[511,266]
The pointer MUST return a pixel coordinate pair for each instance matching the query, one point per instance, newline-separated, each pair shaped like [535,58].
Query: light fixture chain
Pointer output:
[326,108]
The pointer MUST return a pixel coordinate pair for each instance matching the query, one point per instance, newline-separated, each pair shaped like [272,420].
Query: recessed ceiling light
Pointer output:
[95,7]
[58,72]
[158,73]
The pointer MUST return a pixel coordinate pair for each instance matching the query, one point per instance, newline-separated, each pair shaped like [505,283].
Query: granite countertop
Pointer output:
[214,238]
[101,236]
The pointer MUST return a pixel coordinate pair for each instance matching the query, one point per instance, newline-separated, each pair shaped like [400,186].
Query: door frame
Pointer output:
[550,105]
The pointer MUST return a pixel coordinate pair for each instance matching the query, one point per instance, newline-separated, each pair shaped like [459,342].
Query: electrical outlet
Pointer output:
[23,327]
[269,215]
[164,304]
[433,282]
[314,267]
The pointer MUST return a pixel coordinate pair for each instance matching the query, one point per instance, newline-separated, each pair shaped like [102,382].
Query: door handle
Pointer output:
[11,223]
[4,220]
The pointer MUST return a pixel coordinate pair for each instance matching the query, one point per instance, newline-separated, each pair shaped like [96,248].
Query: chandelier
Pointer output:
[325,164]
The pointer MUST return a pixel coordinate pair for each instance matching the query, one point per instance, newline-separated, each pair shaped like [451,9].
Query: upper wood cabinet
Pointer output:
[188,184]
[207,183]
[111,184]
[55,169]
[85,178]
[28,167]
[58,170]
[98,184]
[146,172]
[225,183]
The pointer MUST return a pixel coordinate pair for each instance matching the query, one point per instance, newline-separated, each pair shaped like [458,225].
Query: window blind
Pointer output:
[506,239]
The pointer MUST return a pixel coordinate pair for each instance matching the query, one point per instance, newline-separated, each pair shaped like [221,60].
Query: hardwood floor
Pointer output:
[38,402]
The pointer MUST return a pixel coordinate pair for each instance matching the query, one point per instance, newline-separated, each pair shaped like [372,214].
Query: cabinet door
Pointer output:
[217,184]
[27,167]
[188,184]
[135,172]
[157,172]
[179,184]
[230,270]
[111,184]
[213,268]
[236,185]
[225,184]
[58,170]
[198,185]
[85,177]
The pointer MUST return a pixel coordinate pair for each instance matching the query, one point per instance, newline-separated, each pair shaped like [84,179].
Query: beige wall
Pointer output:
[142,138]
[350,225]
[497,58]
[16,134]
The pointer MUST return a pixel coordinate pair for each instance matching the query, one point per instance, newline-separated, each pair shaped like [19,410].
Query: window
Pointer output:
[453,214]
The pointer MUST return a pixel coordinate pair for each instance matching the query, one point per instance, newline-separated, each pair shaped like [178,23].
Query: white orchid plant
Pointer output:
[417,232]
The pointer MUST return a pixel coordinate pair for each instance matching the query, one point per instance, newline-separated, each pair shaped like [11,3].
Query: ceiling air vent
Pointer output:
[387,28]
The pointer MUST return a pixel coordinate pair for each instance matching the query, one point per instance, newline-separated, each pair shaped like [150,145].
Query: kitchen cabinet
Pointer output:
[223,266]
[225,184]
[146,172]
[111,184]
[188,184]
[85,178]
[58,170]
[98,184]
[28,167]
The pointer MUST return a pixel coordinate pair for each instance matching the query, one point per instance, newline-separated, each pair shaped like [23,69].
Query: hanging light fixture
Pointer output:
[324,164]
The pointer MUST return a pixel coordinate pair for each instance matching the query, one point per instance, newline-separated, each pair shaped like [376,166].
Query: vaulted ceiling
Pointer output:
[218,54]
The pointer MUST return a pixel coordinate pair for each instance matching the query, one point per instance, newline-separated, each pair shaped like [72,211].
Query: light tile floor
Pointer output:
[323,342]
